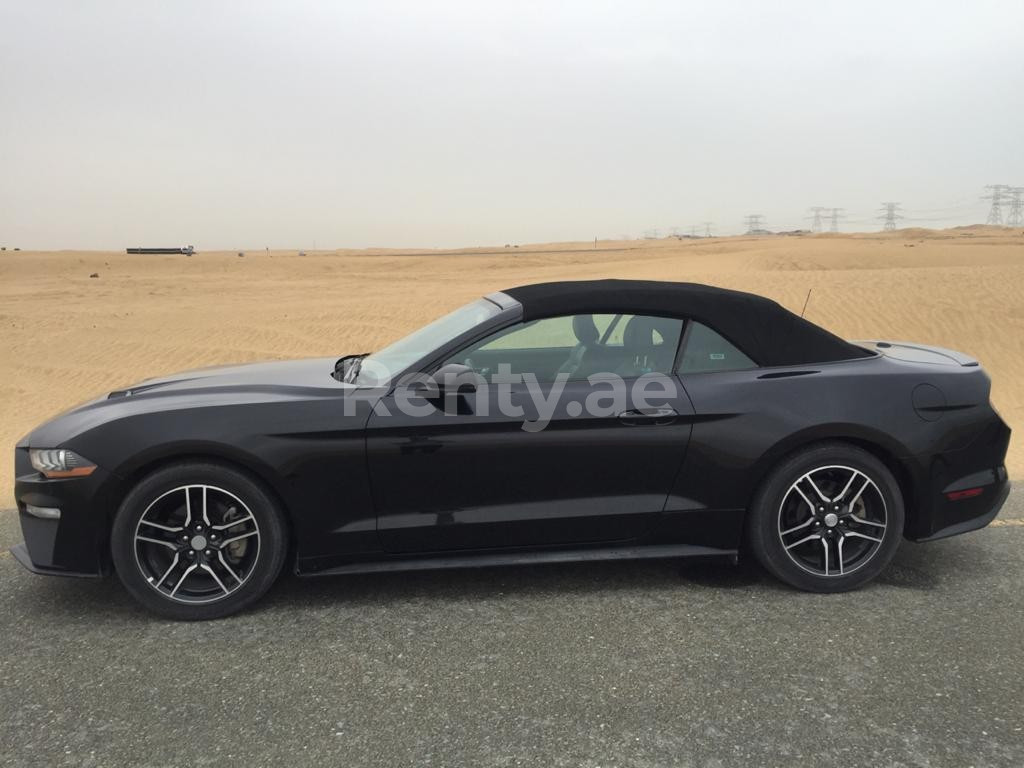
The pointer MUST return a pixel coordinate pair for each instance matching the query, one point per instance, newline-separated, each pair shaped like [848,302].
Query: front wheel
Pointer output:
[827,519]
[198,541]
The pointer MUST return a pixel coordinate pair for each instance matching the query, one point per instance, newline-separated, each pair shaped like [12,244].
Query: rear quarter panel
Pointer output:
[747,421]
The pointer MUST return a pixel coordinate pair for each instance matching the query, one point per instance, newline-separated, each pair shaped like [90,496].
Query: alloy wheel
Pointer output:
[832,520]
[196,544]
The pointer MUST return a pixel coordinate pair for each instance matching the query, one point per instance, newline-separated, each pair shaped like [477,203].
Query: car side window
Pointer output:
[706,350]
[577,346]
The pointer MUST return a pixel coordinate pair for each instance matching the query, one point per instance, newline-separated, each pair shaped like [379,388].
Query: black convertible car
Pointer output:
[552,422]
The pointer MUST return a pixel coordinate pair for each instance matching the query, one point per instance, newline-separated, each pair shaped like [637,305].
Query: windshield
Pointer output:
[379,367]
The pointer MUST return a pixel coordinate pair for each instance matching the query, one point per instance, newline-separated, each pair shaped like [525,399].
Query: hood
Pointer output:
[303,374]
[287,380]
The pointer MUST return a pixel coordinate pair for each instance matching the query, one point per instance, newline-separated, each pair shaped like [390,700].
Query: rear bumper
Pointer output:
[982,513]
[959,490]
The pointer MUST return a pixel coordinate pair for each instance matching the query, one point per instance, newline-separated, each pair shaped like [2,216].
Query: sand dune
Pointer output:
[65,337]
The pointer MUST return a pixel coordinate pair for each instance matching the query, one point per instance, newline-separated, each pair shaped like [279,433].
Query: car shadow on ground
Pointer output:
[916,567]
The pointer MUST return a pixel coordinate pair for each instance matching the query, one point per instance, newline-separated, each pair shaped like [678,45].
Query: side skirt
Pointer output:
[653,552]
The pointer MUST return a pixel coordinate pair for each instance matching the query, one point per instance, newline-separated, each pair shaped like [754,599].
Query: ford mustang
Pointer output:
[552,422]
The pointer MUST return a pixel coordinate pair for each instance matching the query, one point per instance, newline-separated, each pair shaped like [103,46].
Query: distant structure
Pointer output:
[816,223]
[707,228]
[755,224]
[837,213]
[890,213]
[188,250]
[996,193]
[1015,218]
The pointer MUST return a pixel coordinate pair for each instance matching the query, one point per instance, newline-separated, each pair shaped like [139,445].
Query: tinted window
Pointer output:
[550,333]
[706,350]
[614,336]
[578,346]
[393,359]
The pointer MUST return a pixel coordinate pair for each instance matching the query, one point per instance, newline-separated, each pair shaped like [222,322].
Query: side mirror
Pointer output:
[455,378]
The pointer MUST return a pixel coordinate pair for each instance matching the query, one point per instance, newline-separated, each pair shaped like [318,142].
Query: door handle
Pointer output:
[648,416]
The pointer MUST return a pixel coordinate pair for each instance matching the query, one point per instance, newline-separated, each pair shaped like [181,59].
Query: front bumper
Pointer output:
[20,552]
[76,543]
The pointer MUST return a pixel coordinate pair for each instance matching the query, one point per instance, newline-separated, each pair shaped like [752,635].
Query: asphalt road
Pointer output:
[600,664]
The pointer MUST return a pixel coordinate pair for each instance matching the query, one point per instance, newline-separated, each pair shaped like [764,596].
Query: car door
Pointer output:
[547,459]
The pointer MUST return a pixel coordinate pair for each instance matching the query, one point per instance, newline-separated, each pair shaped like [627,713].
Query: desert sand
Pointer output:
[66,337]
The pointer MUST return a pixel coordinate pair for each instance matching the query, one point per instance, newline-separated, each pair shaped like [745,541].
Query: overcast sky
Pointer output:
[350,124]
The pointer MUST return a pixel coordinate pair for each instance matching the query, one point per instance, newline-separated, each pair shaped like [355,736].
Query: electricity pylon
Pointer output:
[890,214]
[837,214]
[1015,218]
[755,223]
[995,213]
[816,224]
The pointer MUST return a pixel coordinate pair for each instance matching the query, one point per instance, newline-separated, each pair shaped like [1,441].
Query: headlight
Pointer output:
[58,462]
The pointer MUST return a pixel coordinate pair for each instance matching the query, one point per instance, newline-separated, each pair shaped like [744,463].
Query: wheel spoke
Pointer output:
[814,485]
[228,568]
[182,579]
[167,528]
[237,538]
[206,519]
[161,542]
[863,536]
[796,528]
[233,523]
[824,544]
[862,521]
[853,476]
[220,583]
[839,551]
[808,521]
[867,482]
[188,507]
[173,565]
[812,537]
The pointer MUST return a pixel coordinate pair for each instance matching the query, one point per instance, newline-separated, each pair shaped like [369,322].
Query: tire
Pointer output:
[803,529]
[198,540]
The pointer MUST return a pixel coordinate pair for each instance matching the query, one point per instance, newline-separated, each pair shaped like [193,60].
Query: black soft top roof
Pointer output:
[765,331]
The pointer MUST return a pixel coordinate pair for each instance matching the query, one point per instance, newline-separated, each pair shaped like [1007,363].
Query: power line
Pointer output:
[837,213]
[891,213]
[707,228]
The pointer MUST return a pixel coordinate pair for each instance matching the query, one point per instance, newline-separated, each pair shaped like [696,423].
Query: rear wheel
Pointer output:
[198,541]
[827,519]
